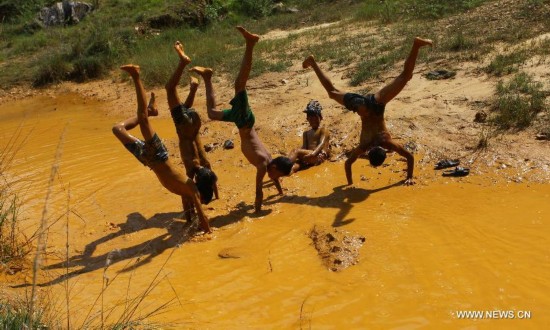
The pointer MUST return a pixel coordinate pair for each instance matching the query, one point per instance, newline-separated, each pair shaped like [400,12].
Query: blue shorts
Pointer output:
[149,152]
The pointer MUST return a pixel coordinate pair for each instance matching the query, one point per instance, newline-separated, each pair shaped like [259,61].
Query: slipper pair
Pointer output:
[457,172]
[446,163]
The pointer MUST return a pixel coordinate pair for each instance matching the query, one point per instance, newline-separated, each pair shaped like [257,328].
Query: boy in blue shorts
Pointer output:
[152,153]
[375,138]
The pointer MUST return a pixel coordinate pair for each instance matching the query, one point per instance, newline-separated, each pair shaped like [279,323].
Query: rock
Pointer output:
[480,117]
[542,136]
[338,249]
[66,12]
[228,144]
[209,147]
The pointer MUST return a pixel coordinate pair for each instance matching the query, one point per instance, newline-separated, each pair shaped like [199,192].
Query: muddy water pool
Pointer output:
[432,251]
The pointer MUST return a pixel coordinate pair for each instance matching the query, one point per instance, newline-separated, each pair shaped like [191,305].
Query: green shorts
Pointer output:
[240,112]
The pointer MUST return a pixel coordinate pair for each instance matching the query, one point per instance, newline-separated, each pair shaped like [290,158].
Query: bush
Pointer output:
[52,69]
[506,64]
[518,102]
[255,8]
[13,316]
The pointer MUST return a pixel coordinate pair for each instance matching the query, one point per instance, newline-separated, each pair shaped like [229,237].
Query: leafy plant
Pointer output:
[518,102]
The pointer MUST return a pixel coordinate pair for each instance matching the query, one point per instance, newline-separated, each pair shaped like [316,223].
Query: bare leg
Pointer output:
[246,64]
[172,84]
[388,92]
[193,86]
[333,93]
[206,74]
[152,109]
[188,208]
[142,114]
[120,130]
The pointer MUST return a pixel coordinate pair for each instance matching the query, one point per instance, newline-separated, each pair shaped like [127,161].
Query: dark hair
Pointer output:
[377,155]
[283,164]
[205,180]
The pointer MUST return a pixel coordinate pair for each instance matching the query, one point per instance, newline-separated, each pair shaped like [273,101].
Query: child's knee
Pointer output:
[117,129]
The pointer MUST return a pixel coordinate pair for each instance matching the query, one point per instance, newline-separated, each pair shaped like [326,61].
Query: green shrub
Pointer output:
[13,316]
[371,68]
[506,64]
[52,69]
[255,8]
[458,42]
[518,102]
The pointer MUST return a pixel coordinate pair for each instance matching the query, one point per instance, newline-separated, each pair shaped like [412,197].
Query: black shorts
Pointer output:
[352,102]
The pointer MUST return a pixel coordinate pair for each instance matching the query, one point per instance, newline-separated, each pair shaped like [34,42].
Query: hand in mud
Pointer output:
[409,182]
[350,186]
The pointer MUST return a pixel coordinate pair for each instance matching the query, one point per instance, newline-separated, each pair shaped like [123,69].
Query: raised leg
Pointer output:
[172,84]
[388,92]
[120,130]
[193,86]
[333,93]
[142,113]
[246,64]
[206,74]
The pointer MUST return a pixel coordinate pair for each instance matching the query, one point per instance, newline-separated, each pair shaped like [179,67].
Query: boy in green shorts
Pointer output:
[241,114]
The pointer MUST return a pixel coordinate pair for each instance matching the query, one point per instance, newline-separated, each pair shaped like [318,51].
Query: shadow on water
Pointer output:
[178,232]
[241,211]
[342,198]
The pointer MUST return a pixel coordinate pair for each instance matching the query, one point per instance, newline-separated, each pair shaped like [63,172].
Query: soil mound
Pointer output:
[337,248]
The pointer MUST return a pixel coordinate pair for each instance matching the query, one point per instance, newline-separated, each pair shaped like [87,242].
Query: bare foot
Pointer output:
[422,42]
[205,73]
[250,38]
[178,46]
[308,62]
[152,106]
[193,82]
[132,69]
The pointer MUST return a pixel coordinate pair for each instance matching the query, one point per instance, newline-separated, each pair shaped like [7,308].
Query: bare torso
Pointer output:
[190,156]
[173,179]
[313,138]
[253,149]
[373,130]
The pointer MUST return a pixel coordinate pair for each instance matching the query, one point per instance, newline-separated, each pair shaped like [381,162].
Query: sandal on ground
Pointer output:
[446,163]
[457,172]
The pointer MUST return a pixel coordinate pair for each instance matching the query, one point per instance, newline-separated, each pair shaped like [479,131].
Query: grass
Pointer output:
[518,102]
[106,39]
[15,315]
[508,63]
[13,248]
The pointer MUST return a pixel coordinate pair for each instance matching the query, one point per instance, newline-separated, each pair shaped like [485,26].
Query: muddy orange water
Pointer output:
[432,251]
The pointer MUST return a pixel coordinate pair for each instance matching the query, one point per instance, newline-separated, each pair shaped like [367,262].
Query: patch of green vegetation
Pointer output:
[397,10]
[518,102]
[508,63]
[13,316]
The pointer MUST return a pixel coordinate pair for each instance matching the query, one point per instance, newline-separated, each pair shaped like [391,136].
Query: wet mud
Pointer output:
[337,249]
